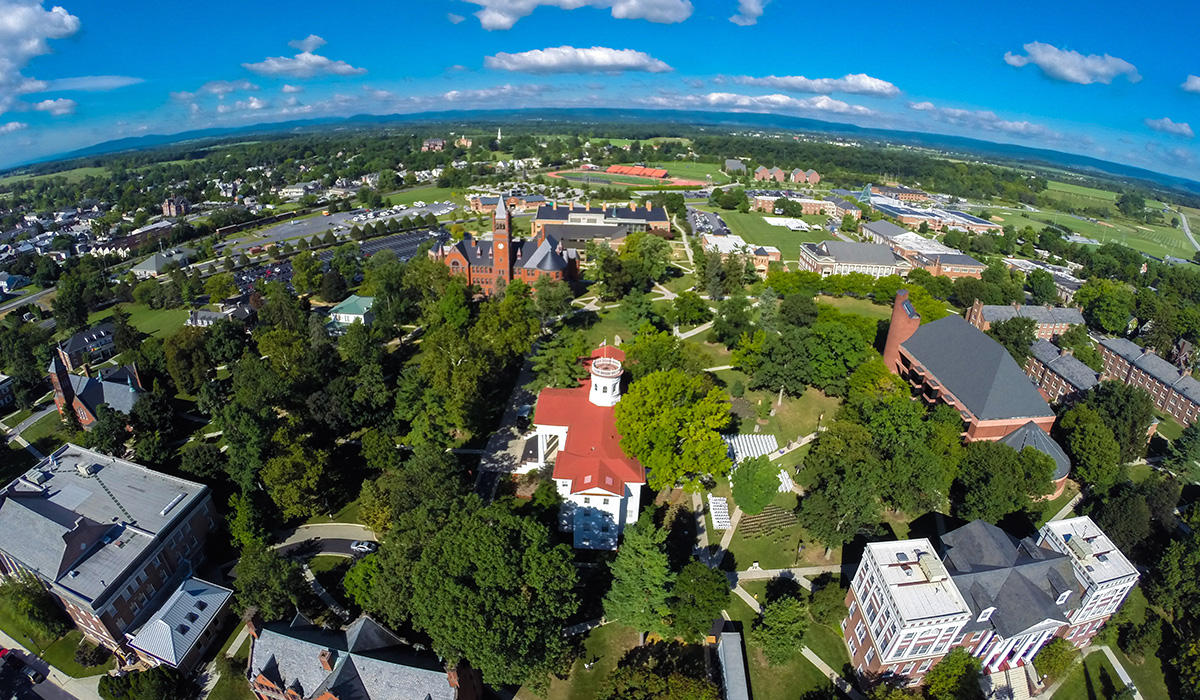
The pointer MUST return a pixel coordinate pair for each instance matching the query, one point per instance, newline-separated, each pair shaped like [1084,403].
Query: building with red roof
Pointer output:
[576,432]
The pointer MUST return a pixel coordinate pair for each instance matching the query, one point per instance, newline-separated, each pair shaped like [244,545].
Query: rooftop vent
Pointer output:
[38,476]
[174,502]
[932,567]
[87,469]
[1079,548]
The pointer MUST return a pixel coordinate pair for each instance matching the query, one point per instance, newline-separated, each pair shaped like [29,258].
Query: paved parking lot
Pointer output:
[320,225]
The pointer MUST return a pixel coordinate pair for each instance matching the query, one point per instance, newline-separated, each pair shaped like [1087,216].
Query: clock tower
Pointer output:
[502,241]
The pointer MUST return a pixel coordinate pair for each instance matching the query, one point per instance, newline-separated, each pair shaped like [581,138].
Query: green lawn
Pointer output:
[693,171]
[777,549]
[796,418]
[1050,508]
[46,435]
[61,655]
[74,175]
[347,514]
[161,323]
[862,307]
[14,419]
[1154,239]
[232,686]
[323,563]
[753,229]
[606,645]
[1148,675]
[1088,192]
[427,195]
[1094,679]
[1167,427]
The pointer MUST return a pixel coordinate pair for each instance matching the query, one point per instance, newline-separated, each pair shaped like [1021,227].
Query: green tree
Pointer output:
[268,582]
[557,362]
[295,476]
[652,350]
[840,474]
[1107,304]
[156,683]
[245,521]
[689,309]
[1125,517]
[780,631]
[220,286]
[204,460]
[697,599]
[125,336]
[27,598]
[1055,658]
[827,604]
[1183,457]
[1127,410]
[187,358]
[1016,335]
[1076,339]
[552,298]
[1095,454]
[641,577]
[732,320]
[492,589]
[306,273]
[110,431]
[955,677]
[755,484]
[798,309]
[1041,287]
[671,422]
[70,304]
[629,682]
[333,287]
[996,480]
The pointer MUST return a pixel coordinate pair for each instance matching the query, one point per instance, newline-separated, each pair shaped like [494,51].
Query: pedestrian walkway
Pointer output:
[833,676]
[727,538]
[1069,508]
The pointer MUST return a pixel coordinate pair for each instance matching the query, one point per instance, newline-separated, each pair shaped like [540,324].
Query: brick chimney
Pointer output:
[1063,352]
[905,321]
[254,622]
[648,206]
[327,658]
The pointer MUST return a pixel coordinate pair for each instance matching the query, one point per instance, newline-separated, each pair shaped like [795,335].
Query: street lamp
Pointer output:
[35,645]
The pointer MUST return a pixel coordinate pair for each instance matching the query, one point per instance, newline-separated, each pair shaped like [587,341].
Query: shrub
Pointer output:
[88,654]
[737,388]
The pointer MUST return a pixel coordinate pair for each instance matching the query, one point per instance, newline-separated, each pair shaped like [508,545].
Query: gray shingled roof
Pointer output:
[1069,367]
[120,392]
[545,258]
[858,253]
[1019,579]
[82,339]
[976,369]
[1030,435]
[994,313]
[884,228]
[369,663]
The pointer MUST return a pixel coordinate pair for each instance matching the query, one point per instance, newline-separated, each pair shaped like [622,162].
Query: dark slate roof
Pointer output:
[858,253]
[1030,435]
[841,203]
[546,257]
[369,663]
[976,369]
[1150,363]
[547,212]
[1124,348]
[81,340]
[1020,580]
[1069,367]
[585,232]
[884,228]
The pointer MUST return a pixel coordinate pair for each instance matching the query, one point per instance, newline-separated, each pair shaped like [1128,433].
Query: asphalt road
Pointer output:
[24,299]
[317,226]
[325,538]
[1187,230]
[13,684]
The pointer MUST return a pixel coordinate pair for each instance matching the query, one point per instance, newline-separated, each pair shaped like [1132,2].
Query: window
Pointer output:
[870,655]
[852,646]
[985,614]
[924,665]
[1063,598]
[860,631]
[586,501]
[908,669]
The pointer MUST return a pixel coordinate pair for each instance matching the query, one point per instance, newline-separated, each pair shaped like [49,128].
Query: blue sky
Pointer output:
[1095,78]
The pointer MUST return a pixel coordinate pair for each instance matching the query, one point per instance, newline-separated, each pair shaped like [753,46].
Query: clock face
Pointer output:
[500,246]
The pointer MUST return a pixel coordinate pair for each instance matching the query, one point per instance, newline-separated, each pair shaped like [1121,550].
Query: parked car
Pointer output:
[363,547]
[33,675]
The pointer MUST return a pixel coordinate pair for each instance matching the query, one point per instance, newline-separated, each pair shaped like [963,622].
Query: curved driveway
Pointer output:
[325,538]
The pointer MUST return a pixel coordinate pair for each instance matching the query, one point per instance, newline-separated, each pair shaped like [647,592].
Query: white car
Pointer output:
[363,547]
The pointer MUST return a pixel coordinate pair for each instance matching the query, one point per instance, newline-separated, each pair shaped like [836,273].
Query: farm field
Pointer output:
[72,175]
[1088,192]
[1154,239]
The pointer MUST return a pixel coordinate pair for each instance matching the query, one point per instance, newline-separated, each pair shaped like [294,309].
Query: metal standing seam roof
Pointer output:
[176,627]
[885,229]
[354,305]
[1069,367]
[1030,435]
[735,679]
[977,370]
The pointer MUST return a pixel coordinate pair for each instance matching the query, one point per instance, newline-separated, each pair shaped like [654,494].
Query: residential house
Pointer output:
[164,261]
[1052,321]
[1173,390]
[81,394]
[576,431]
[176,206]
[1058,373]
[364,661]
[809,177]
[952,362]
[843,257]
[10,282]
[234,311]
[1000,598]
[775,174]
[113,541]
[353,309]
[93,345]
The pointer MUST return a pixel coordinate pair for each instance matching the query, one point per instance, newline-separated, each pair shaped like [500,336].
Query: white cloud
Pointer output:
[90,83]
[454,19]
[308,44]
[12,126]
[57,108]
[25,29]
[290,89]
[1072,66]
[758,103]
[250,104]
[568,59]
[1192,84]
[1166,126]
[220,88]
[748,12]
[984,120]
[852,84]
[305,64]
[503,14]
[496,93]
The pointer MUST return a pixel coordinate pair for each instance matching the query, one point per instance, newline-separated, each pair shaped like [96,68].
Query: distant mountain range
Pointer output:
[1023,155]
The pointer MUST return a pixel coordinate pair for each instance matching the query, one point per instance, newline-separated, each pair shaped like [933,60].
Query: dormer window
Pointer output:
[985,614]
[1063,598]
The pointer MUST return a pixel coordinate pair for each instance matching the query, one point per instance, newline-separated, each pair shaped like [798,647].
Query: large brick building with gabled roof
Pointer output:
[493,264]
